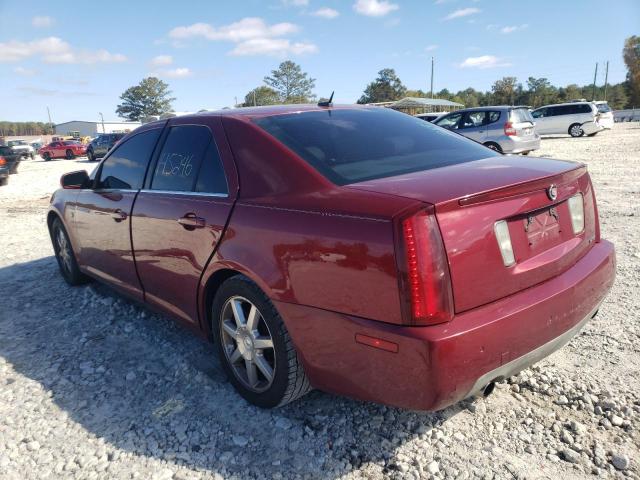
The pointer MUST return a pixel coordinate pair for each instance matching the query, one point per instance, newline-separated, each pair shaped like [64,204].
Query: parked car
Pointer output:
[429,117]
[504,129]
[68,149]
[11,157]
[22,147]
[605,114]
[353,249]
[99,146]
[4,172]
[573,118]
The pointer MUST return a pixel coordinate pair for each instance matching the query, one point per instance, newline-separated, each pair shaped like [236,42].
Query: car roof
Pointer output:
[562,104]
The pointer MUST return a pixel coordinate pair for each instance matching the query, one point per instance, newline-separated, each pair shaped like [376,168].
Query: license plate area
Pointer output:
[543,228]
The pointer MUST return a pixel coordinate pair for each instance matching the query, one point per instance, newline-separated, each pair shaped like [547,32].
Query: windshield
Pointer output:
[13,143]
[349,146]
[520,115]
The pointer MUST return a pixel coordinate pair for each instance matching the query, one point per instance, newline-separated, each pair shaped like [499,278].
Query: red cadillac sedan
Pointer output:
[356,250]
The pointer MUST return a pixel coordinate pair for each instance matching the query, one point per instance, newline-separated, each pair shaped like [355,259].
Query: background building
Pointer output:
[91,129]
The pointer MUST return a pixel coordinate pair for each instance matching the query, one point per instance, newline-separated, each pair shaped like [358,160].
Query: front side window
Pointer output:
[180,158]
[450,121]
[124,169]
[540,113]
[354,145]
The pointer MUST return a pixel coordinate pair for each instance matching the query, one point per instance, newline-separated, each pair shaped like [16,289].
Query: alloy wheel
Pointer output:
[247,344]
[576,131]
[64,250]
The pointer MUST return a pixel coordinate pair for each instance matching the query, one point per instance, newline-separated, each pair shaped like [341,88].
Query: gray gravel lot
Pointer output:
[93,386]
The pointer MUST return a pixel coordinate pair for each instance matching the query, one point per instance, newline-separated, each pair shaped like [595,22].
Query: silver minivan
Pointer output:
[503,128]
[574,118]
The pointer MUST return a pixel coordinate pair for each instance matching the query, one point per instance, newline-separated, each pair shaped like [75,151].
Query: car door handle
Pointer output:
[190,221]
[118,215]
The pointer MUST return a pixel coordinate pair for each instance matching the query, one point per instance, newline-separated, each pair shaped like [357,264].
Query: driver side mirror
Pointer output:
[75,180]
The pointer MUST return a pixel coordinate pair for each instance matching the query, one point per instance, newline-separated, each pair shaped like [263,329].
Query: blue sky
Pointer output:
[77,58]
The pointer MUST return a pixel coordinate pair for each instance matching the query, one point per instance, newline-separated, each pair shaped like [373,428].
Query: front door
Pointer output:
[180,215]
[103,214]
[543,120]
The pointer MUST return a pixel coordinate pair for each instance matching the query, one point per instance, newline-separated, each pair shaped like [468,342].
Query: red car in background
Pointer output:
[357,250]
[68,149]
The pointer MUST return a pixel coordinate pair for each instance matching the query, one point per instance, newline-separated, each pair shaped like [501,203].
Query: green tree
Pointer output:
[150,97]
[631,55]
[539,89]
[291,83]
[386,88]
[262,95]
[504,90]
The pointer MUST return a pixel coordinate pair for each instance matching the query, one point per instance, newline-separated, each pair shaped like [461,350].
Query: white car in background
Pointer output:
[606,114]
[574,118]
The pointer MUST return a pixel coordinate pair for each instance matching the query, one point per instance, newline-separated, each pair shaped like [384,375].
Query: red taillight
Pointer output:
[426,282]
[2,160]
[509,130]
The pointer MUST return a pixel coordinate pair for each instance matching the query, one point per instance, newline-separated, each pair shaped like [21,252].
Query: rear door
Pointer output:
[181,214]
[102,216]
[474,126]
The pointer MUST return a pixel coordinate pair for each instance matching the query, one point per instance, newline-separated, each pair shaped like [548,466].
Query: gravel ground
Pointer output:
[93,386]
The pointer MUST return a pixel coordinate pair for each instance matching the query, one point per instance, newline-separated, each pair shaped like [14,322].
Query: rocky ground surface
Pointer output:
[93,386]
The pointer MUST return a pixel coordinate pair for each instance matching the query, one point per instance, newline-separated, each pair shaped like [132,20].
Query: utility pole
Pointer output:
[102,117]
[235,105]
[255,104]
[431,91]
[593,92]
[49,115]
[606,78]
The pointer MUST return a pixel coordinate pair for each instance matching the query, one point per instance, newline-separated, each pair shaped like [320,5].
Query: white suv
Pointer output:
[575,118]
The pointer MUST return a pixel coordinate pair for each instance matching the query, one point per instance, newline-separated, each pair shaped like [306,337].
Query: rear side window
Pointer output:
[124,169]
[349,146]
[493,117]
[180,158]
[584,108]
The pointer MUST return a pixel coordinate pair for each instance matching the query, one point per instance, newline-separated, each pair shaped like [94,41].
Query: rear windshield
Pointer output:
[349,146]
[603,107]
[520,115]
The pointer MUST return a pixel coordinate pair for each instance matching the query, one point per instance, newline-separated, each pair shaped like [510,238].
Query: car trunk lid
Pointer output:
[470,198]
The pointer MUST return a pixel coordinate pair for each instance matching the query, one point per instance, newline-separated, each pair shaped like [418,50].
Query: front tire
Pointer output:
[254,346]
[90,156]
[4,181]
[575,130]
[65,256]
[69,155]
[46,156]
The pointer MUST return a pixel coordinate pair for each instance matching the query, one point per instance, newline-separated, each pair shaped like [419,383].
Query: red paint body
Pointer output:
[328,258]
[59,149]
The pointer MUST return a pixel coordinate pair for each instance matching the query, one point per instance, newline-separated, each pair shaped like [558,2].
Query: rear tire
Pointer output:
[69,155]
[575,130]
[14,168]
[4,181]
[493,146]
[236,336]
[90,156]
[64,255]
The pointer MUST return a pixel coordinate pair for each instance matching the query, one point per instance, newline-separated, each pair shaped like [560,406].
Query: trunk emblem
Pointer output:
[552,192]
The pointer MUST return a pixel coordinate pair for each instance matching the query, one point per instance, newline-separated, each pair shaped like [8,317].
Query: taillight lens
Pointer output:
[426,280]
[2,161]
[509,130]
[576,209]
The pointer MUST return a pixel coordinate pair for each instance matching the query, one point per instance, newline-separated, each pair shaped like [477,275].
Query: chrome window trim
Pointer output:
[197,194]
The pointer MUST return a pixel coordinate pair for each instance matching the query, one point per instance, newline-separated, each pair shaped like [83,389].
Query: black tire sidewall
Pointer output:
[69,155]
[242,286]
[571,128]
[74,276]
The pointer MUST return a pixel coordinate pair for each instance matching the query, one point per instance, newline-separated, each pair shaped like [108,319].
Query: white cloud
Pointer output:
[484,61]
[252,36]
[181,72]
[245,29]
[55,50]
[462,12]
[327,13]
[513,28]
[161,60]
[42,22]
[24,72]
[430,48]
[374,8]
[275,47]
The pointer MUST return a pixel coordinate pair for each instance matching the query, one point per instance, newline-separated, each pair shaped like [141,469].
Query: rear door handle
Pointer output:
[191,221]
[118,215]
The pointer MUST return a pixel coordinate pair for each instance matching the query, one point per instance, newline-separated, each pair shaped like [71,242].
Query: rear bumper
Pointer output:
[519,145]
[591,127]
[437,366]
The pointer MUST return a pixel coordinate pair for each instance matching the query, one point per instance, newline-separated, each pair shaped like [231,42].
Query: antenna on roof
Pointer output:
[328,103]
